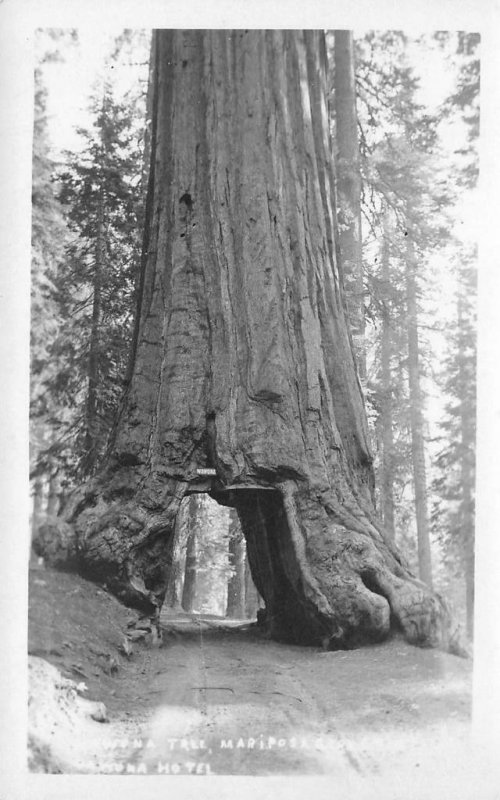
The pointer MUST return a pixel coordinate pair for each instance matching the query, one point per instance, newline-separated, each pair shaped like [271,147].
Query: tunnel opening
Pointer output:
[208,570]
[233,557]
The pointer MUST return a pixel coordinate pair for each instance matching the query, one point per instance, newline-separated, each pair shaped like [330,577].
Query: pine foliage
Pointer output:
[87,231]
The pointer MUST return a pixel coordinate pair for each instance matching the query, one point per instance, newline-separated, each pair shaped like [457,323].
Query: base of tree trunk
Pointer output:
[340,588]
[323,583]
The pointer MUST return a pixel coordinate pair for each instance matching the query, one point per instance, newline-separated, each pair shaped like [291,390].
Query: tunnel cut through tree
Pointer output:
[243,360]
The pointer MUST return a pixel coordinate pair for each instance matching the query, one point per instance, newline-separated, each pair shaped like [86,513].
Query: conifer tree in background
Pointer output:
[407,171]
[453,515]
[387,390]
[237,561]
[386,413]
[463,102]
[191,563]
[49,234]
[102,196]
[207,567]
[177,561]
[348,186]
[454,485]
[377,102]
[417,417]
[87,221]
[400,161]
[383,86]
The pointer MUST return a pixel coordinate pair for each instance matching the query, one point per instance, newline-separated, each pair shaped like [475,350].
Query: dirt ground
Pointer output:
[217,698]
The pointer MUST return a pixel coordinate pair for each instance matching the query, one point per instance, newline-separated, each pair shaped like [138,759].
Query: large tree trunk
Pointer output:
[243,360]
[349,188]
[417,420]
[237,560]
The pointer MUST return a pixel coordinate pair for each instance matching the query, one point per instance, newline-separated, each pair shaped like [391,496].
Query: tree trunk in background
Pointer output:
[468,528]
[177,566]
[236,584]
[251,593]
[243,359]
[91,413]
[146,156]
[189,590]
[386,417]
[37,516]
[349,188]
[467,430]
[417,419]
[53,496]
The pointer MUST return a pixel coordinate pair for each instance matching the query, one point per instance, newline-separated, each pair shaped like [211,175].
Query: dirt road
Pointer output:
[220,699]
[230,702]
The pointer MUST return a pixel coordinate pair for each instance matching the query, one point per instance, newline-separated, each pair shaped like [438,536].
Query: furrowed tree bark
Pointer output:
[349,188]
[243,360]
[417,420]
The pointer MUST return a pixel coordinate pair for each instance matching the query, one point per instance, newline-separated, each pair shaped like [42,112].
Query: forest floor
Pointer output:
[216,697]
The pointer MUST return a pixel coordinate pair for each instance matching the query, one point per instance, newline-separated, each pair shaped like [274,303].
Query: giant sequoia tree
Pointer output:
[243,361]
